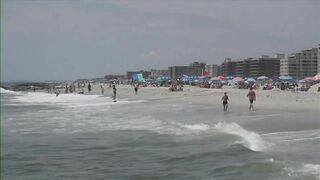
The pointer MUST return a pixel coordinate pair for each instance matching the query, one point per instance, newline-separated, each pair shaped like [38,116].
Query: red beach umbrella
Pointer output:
[221,77]
[237,79]
[215,78]
[309,79]
[316,77]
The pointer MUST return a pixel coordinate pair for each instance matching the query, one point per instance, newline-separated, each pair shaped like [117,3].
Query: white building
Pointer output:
[155,73]
[301,64]
[213,70]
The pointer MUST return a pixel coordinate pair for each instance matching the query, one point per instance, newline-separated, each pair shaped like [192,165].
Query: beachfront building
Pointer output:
[228,67]
[302,64]
[155,73]
[212,70]
[113,76]
[252,67]
[177,71]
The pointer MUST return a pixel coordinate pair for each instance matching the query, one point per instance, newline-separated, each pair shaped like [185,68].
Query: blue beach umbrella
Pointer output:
[285,78]
[250,80]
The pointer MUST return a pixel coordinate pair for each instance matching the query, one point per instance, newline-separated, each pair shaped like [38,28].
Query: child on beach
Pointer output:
[225,100]
[252,97]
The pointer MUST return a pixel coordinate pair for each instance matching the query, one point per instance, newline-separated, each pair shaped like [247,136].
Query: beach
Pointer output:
[158,134]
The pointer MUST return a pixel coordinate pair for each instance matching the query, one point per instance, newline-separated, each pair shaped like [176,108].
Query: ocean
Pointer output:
[90,137]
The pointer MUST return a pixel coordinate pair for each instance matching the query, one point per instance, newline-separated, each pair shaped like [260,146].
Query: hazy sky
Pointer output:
[54,40]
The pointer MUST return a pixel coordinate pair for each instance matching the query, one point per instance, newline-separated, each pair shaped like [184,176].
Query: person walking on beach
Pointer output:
[225,100]
[252,97]
[102,90]
[89,88]
[114,93]
[67,90]
[136,86]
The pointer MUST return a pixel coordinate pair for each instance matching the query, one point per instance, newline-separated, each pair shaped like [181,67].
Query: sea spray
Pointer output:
[253,140]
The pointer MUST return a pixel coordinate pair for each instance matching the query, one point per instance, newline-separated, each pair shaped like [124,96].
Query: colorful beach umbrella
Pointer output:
[229,78]
[317,77]
[221,77]
[309,79]
[250,80]
[286,77]
[215,78]
[237,79]
[262,78]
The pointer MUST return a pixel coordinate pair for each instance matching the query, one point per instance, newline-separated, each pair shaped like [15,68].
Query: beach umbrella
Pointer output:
[237,79]
[229,78]
[214,79]
[309,79]
[262,78]
[317,77]
[221,77]
[285,78]
[163,78]
[250,80]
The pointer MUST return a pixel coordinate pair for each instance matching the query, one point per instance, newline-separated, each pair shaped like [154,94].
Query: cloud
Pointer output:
[150,55]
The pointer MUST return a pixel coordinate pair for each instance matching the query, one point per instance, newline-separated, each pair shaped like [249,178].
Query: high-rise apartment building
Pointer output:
[252,67]
[301,64]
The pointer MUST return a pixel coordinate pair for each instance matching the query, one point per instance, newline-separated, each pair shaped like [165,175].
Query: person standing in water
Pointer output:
[114,93]
[89,88]
[252,97]
[225,100]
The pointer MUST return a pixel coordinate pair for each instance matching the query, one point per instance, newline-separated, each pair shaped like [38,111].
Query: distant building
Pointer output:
[155,73]
[252,67]
[228,67]
[111,77]
[301,64]
[213,70]
[176,71]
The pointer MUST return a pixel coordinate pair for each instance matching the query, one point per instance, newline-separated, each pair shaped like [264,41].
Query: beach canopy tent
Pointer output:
[183,78]
[137,77]
[237,79]
[262,78]
[285,78]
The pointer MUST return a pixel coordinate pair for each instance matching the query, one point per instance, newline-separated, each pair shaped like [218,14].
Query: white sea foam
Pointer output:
[197,127]
[311,169]
[5,91]
[71,100]
[293,136]
[252,140]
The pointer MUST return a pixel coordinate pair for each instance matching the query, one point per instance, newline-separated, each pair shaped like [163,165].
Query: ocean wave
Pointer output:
[71,100]
[5,91]
[251,139]
[310,169]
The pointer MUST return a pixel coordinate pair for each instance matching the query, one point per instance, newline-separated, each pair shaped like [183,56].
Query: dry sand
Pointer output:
[266,99]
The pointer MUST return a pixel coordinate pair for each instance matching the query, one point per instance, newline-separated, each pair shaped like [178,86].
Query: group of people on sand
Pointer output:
[251,95]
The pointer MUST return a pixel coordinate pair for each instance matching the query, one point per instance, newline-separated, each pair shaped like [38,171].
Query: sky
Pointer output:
[71,39]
